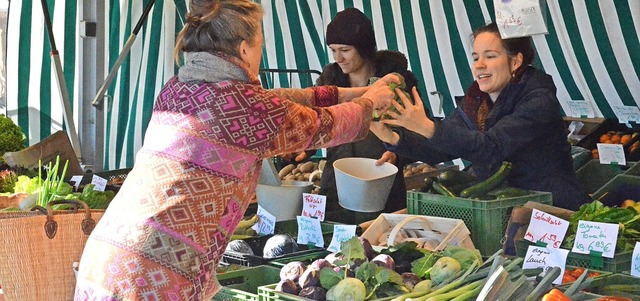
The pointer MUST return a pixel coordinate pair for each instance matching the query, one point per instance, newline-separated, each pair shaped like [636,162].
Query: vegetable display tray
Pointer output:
[269,293]
[615,284]
[243,284]
[619,263]
[289,227]
[594,175]
[487,220]
[634,170]
[618,189]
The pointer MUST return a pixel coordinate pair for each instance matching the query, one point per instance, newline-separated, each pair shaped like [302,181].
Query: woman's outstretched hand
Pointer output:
[380,92]
[389,157]
[411,117]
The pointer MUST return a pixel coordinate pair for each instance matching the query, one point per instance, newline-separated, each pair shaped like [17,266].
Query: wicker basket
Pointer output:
[39,249]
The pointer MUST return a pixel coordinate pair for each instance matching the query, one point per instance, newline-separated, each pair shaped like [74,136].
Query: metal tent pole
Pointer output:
[125,51]
[62,86]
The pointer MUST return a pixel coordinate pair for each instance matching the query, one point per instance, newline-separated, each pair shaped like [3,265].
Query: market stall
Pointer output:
[459,237]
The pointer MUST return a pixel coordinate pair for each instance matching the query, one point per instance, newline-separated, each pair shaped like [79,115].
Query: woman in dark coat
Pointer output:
[510,113]
[352,41]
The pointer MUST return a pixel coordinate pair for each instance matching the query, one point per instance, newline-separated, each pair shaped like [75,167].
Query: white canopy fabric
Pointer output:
[592,51]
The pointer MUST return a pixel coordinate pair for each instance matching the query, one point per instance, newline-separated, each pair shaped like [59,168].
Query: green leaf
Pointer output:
[329,278]
[366,272]
[422,266]
[464,256]
[394,277]
[352,249]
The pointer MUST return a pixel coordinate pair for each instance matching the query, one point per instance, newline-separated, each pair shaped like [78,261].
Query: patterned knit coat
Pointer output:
[166,230]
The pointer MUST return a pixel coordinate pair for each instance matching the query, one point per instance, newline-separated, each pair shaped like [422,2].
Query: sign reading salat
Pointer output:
[546,228]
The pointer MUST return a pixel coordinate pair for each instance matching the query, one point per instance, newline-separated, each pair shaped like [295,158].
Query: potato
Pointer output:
[307,167]
[290,177]
[285,171]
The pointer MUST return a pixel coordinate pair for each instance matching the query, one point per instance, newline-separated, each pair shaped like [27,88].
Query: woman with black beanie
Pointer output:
[351,38]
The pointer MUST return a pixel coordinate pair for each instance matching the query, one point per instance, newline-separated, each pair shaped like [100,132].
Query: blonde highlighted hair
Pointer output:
[218,26]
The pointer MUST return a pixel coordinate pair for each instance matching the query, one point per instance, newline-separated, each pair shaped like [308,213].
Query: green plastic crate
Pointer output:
[243,284]
[594,175]
[269,293]
[598,285]
[618,189]
[289,227]
[305,258]
[584,296]
[487,220]
[634,170]
[620,262]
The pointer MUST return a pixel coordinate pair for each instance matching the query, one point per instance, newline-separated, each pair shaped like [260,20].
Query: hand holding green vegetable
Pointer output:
[410,116]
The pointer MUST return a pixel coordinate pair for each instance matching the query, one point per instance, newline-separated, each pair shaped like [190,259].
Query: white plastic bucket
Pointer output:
[362,185]
[284,201]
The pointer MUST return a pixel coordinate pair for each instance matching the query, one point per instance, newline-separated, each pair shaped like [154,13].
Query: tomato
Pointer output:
[567,278]
[593,274]
[577,272]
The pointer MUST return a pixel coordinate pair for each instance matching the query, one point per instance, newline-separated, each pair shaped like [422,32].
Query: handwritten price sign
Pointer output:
[610,153]
[546,228]
[626,114]
[267,222]
[310,232]
[635,261]
[546,258]
[594,236]
[341,233]
[520,18]
[100,183]
[579,108]
[313,205]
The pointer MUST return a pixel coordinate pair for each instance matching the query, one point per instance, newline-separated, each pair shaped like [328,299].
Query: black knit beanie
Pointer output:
[351,27]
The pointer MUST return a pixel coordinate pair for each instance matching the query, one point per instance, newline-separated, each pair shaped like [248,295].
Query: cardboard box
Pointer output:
[58,144]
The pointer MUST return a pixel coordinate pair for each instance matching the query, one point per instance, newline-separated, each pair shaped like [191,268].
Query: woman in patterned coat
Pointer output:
[164,233]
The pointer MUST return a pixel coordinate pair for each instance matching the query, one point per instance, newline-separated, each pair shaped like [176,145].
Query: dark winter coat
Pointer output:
[371,147]
[525,127]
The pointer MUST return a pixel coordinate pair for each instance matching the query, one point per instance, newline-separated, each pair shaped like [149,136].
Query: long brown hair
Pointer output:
[218,25]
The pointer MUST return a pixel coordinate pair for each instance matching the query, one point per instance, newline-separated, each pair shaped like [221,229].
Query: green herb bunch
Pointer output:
[11,137]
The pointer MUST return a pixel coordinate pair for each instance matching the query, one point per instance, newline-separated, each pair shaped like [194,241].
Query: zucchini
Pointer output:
[427,184]
[442,190]
[454,177]
[489,184]
[509,192]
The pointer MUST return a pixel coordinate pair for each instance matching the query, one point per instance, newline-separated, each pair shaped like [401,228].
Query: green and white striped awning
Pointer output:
[592,51]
